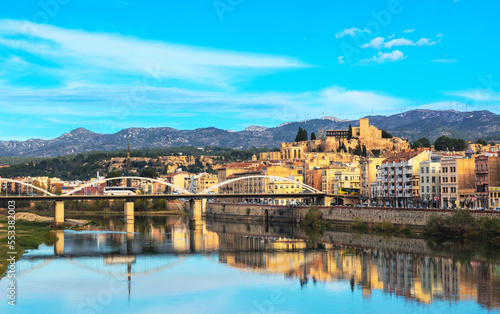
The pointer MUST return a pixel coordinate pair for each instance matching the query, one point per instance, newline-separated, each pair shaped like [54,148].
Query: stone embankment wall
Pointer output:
[178,206]
[272,213]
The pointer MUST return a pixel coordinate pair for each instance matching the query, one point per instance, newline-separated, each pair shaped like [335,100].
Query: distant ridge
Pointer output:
[411,125]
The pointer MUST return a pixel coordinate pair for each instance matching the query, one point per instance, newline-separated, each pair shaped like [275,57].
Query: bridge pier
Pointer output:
[129,210]
[59,214]
[59,246]
[195,212]
[196,239]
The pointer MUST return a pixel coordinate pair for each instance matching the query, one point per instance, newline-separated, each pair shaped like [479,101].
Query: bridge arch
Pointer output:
[183,191]
[303,185]
[29,185]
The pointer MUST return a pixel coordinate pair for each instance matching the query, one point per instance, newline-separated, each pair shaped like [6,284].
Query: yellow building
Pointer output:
[494,197]
[368,174]
[457,182]
[343,179]
[203,181]
[179,179]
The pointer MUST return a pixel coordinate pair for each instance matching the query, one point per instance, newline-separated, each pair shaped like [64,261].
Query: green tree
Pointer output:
[113,174]
[313,136]
[386,134]
[446,143]
[301,135]
[149,173]
[349,132]
[421,142]
[482,142]
[58,190]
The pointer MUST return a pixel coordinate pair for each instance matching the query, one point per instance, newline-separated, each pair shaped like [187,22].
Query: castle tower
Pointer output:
[364,128]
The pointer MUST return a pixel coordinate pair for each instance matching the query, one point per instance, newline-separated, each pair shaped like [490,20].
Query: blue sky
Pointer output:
[108,65]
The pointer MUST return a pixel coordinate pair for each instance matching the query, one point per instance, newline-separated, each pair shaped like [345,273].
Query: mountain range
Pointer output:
[412,125]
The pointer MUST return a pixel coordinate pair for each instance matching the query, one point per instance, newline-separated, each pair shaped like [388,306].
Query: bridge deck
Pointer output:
[161,196]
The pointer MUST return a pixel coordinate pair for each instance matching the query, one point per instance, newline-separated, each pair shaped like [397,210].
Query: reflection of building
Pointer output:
[421,278]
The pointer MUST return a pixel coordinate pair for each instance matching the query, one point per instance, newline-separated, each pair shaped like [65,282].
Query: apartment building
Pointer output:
[368,174]
[430,182]
[457,182]
[487,173]
[398,176]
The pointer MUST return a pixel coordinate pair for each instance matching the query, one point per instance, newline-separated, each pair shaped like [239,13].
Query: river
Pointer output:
[160,265]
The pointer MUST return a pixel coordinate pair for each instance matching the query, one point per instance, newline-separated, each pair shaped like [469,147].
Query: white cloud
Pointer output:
[379,42]
[479,94]
[425,42]
[411,30]
[103,52]
[351,32]
[361,100]
[376,43]
[114,104]
[341,59]
[406,42]
[398,42]
[385,57]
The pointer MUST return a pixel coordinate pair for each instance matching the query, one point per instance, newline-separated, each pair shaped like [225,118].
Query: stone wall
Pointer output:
[248,212]
[178,206]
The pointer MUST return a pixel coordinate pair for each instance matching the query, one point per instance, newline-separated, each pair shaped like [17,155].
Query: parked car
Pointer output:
[496,208]
[480,208]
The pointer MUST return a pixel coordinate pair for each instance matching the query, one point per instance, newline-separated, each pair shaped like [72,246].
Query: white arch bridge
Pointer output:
[297,190]
[263,179]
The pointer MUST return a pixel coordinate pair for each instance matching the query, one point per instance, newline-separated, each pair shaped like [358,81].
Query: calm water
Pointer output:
[161,266]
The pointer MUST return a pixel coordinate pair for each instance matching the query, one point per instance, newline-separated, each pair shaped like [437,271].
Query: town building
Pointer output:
[430,181]
[398,176]
[487,172]
[368,174]
[457,182]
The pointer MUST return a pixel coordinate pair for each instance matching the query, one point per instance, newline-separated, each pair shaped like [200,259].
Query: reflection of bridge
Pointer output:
[197,207]
[417,276]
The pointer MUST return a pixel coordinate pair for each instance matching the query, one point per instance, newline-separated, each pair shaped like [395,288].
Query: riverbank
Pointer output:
[29,235]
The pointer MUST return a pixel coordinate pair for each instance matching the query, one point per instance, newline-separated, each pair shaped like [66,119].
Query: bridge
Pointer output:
[196,208]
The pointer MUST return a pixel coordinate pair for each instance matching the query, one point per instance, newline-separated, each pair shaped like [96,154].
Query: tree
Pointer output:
[492,143]
[446,143]
[113,174]
[349,132]
[482,142]
[301,135]
[359,150]
[342,147]
[386,134]
[421,142]
[58,190]
[149,173]
[313,136]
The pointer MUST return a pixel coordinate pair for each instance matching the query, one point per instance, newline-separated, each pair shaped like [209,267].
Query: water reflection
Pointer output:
[394,266]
